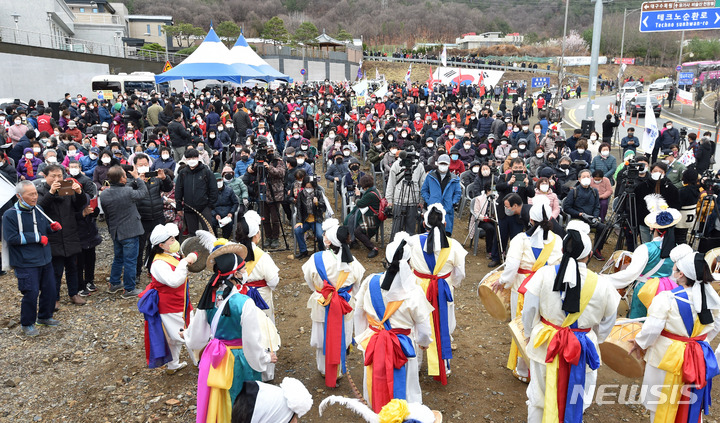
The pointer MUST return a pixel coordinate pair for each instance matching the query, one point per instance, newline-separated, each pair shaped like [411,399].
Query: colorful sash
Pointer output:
[541,259]
[336,307]
[569,351]
[439,294]
[386,353]
[688,361]
[215,378]
[157,351]
[173,262]
[250,288]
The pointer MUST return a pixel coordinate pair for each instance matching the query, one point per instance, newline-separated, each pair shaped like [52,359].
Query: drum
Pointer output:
[615,350]
[518,334]
[497,304]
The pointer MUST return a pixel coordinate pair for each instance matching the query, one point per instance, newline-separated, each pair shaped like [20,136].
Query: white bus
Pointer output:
[125,83]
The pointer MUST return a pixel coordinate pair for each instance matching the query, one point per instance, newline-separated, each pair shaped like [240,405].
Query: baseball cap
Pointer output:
[444,159]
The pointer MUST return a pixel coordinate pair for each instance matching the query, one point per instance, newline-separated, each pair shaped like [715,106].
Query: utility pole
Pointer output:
[594,55]
[561,71]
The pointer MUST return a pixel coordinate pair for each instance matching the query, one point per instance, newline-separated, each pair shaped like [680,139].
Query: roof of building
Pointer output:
[324,39]
[105,3]
[160,18]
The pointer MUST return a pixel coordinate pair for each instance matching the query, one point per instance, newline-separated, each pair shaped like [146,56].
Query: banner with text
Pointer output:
[465,76]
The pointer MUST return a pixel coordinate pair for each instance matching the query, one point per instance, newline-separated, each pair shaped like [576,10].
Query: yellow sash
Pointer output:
[339,284]
[220,381]
[167,258]
[543,257]
[546,334]
[672,363]
[648,291]
[432,354]
[390,309]
[250,265]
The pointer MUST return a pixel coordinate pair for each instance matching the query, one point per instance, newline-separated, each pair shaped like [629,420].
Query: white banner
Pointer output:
[651,129]
[581,60]
[381,91]
[466,76]
[443,56]
[684,97]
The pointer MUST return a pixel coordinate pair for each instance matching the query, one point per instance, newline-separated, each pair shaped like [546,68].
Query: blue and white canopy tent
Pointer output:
[243,55]
[211,61]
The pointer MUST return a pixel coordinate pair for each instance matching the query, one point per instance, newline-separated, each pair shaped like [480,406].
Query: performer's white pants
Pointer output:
[173,322]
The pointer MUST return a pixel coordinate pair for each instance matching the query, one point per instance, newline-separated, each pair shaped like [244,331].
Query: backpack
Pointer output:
[381,210]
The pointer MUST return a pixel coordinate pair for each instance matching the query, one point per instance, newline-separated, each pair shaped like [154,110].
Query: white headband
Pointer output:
[253,221]
[162,233]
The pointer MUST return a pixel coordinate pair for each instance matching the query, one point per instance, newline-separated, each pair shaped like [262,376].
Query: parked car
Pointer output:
[636,106]
[637,84]
[662,84]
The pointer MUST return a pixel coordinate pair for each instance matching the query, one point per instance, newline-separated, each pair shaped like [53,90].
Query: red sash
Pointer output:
[385,354]
[694,363]
[254,284]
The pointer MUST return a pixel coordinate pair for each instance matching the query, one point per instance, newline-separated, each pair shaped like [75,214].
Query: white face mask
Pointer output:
[393,152]
[503,142]
[143,169]
[539,155]
[18,121]
[451,137]
[593,137]
[72,153]
[93,156]
[310,190]
[669,127]
[514,155]
[105,160]
[36,149]
[429,145]
[165,156]
[537,130]
[525,128]
[516,129]
[580,150]
[220,185]
[476,169]
[544,188]
[29,156]
[656,175]
[51,160]
[74,171]
[585,181]
[300,161]
[605,153]
[443,168]
[346,153]
[192,162]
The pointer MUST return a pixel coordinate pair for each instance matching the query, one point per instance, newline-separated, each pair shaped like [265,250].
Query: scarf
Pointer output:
[29,168]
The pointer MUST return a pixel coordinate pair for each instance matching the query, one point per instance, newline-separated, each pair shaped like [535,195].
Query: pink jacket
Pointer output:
[554,202]
[604,188]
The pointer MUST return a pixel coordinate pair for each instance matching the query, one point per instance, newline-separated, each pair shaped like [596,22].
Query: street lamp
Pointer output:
[622,43]
[16,18]
[561,72]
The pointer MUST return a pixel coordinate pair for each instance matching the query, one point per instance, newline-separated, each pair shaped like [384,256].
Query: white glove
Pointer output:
[246,202]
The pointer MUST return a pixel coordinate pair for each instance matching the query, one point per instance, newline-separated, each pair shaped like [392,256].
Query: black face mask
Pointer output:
[564,166]
[551,159]
[339,160]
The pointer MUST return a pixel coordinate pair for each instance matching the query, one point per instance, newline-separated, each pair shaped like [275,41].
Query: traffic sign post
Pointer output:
[666,16]
[540,82]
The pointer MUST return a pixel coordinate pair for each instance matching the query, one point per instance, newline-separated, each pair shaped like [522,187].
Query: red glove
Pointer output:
[55,226]
[44,240]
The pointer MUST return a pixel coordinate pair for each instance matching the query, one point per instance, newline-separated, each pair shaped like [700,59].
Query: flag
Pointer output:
[381,91]
[651,129]
[684,97]
[431,80]
[377,74]
[167,66]
[361,88]
[359,74]
[185,87]
[623,109]
[407,76]
[443,56]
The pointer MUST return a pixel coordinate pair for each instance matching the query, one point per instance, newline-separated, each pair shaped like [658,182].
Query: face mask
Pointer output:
[455,157]
[192,162]
[331,136]
[593,137]
[668,127]
[485,172]
[36,149]
[72,153]
[143,169]
[18,121]
[564,166]
[51,160]
[516,129]
[537,130]
[434,126]
[539,155]
[525,128]
[105,160]
[393,151]
[585,181]
[451,137]
[429,145]
[467,146]
[514,155]
[29,156]
[503,142]
[605,153]
[580,150]
[522,147]
[300,161]
[346,153]
[597,181]
[476,169]
[220,128]
[544,188]
[174,247]
[509,212]
[656,175]
[74,171]
[310,190]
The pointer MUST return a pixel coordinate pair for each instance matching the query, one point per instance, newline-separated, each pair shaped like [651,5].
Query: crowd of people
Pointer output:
[234,168]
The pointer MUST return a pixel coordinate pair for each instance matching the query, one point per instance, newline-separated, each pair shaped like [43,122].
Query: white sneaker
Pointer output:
[180,366]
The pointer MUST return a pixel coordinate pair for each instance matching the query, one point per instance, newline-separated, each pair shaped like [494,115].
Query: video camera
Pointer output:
[710,182]
[683,132]
[261,155]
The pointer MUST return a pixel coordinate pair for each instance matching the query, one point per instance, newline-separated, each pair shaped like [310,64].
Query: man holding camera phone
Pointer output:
[517,182]
[583,202]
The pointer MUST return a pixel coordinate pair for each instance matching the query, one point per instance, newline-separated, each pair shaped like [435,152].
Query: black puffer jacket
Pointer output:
[151,207]
[196,188]
[65,242]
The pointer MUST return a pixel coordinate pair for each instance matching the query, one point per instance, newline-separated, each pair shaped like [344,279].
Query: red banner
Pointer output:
[625,60]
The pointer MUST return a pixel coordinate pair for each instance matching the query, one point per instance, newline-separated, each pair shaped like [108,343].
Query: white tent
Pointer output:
[243,55]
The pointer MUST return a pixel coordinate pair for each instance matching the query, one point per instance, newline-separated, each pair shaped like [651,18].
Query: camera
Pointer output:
[591,220]
[261,155]
[683,132]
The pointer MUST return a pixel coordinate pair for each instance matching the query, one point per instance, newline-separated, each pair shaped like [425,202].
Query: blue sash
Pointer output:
[399,375]
[444,297]
[344,293]
[158,352]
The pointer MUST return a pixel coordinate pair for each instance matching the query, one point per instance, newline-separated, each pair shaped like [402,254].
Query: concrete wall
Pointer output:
[46,78]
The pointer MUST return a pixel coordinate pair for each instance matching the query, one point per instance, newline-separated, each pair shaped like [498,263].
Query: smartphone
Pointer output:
[66,188]
[151,174]
[519,179]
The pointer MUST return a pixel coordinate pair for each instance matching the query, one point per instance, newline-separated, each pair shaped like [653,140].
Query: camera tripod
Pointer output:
[624,217]
[707,204]
[408,201]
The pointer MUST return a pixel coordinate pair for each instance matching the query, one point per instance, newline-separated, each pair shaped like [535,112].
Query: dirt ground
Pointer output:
[92,367]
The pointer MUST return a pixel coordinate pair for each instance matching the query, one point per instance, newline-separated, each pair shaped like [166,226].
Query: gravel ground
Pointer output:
[92,367]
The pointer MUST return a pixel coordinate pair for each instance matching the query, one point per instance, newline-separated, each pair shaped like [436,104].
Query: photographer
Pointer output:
[516,182]
[668,137]
[311,206]
[657,184]
[608,127]
[583,202]
[403,191]
[270,170]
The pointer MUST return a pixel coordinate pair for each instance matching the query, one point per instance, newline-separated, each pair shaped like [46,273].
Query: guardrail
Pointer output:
[55,42]
[451,63]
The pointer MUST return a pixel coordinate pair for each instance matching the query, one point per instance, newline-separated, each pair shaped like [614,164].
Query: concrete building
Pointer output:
[149,29]
[100,21]
[472,41]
